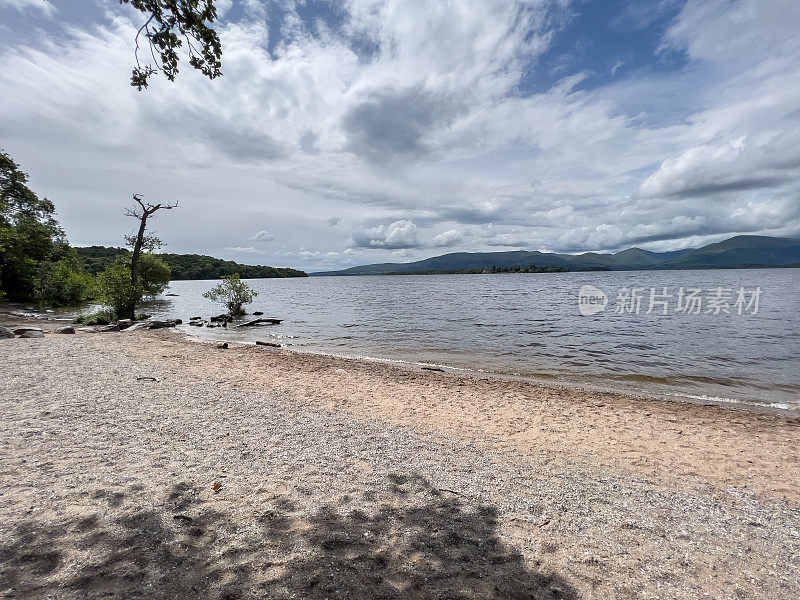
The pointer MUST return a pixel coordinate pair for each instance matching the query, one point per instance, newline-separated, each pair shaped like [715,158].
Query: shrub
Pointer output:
[113,288]
[232,293]
[61,283]
[100,317]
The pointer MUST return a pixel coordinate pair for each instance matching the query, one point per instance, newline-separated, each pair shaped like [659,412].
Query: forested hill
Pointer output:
[185,266]
[741,251]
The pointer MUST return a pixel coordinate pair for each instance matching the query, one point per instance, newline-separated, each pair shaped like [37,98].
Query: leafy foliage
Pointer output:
[171,23]
[153,274]
[100,317]
[62,282]
[233,293]
[30,239]
[113,288]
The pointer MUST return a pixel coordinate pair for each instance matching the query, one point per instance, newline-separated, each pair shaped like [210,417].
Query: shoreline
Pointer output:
[732,404]
[773,408]
[148,461]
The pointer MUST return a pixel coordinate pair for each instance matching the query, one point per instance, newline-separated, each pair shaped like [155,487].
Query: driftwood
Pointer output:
[270,344]
[257,321]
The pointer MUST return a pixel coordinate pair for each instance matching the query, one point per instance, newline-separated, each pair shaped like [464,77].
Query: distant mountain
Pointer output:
[742,251]
[185,266]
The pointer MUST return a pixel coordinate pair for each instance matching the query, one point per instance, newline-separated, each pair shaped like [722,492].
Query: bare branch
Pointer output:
[136,40]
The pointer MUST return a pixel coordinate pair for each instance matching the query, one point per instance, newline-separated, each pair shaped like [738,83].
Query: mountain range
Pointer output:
[741,251]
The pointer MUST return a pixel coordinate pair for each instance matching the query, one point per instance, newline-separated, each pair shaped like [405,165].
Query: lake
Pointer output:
[531,325]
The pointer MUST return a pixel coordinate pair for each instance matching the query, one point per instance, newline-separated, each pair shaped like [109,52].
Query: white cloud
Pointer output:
[261,236]
[243,249]
[45,7]
[451,237]
[396,235]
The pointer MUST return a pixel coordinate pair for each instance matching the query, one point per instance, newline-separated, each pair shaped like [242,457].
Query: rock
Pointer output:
[161,324]
[258,313]
[31,334]
[176,295]
[270,344]
[21,330]
[177,321]
[107,328]
[195,318]
[88,329]
[124,324]
[6,334]
[223,346]
[221,318]
[136,326]
[67,329]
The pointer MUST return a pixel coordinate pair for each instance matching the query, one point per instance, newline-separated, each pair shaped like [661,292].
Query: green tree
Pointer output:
[169,24]
[153,274]
[113,288]
[62,282]
[29,232]
[232,293]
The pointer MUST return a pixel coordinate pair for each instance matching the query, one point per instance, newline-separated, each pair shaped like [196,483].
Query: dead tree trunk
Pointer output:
[142,212]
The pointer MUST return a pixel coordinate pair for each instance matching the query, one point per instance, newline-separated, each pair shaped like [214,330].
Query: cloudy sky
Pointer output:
[359,131]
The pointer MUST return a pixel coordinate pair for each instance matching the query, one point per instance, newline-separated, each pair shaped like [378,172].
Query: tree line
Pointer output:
[488,270]
[185,266]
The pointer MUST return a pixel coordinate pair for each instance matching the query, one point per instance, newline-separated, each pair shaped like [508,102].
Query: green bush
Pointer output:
[113,288]
[61,283]
[232,293]
[100,317]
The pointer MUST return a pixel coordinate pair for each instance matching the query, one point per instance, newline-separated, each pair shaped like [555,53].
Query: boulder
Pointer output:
[21,330]
[161,324]
[195,318]
[6,334]
[66,329]
[31,334]
[258,313]
[124,324]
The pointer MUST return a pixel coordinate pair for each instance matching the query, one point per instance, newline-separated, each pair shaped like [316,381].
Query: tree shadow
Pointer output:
[417,542]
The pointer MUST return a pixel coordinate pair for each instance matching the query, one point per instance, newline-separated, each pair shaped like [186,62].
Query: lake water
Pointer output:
[530,325]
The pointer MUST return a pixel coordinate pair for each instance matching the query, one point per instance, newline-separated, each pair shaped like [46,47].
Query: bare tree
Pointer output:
[141,212]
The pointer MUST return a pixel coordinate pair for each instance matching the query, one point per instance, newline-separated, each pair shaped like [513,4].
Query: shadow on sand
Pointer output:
[418,542]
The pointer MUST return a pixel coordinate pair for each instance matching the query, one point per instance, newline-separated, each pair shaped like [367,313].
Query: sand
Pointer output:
[145,465]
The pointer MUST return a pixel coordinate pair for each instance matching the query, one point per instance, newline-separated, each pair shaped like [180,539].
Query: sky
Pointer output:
[360,131]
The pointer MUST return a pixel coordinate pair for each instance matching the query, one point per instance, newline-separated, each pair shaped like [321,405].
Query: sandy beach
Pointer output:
[146,465]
